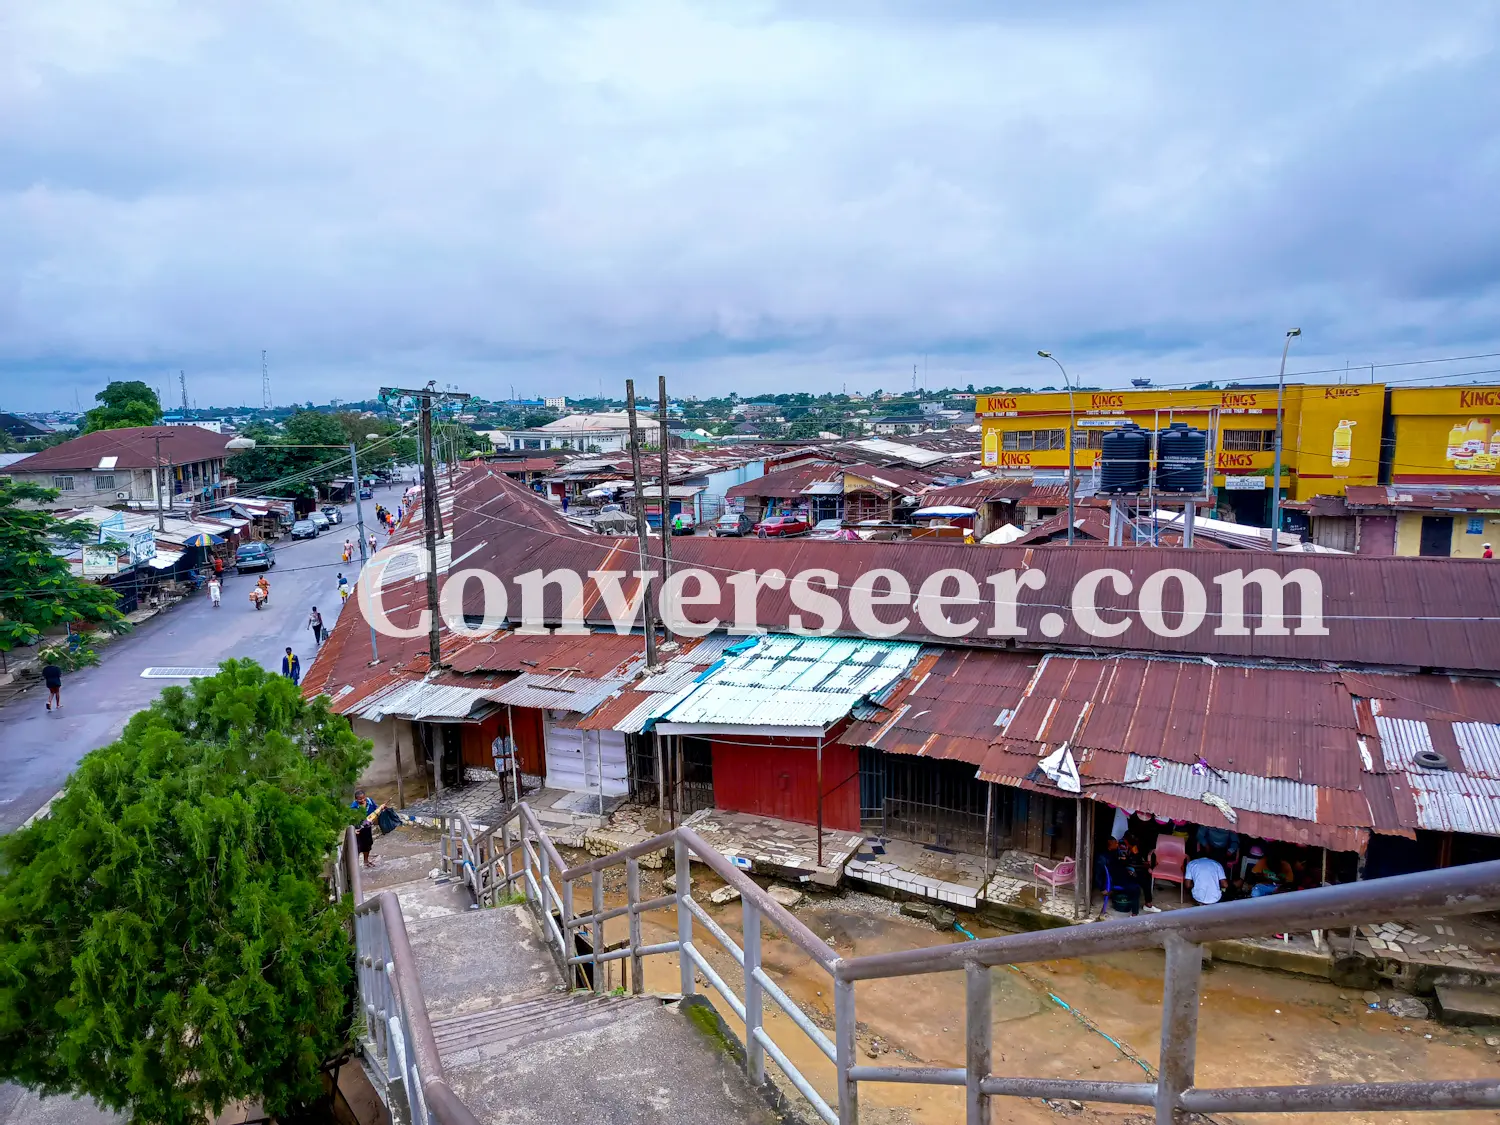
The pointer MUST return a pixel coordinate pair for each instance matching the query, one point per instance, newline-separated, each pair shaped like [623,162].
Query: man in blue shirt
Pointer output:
[291,667]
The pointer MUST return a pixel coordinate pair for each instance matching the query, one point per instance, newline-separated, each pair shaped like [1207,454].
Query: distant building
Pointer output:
[757,410]
[898,424]
[20,428]
[583,433]
[560,403]
[119,466]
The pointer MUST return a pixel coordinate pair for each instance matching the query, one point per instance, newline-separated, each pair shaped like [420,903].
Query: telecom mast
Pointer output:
[265,382]
[182,382]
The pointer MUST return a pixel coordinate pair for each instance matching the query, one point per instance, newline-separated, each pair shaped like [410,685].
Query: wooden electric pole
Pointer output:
[666,493]
[640,524]
[432,516]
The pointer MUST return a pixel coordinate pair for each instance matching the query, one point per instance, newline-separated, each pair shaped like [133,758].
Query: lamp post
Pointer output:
[1072,423]
[1276,467]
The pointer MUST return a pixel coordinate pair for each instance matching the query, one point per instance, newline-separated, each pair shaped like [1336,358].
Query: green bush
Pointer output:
[69,658]
[167,943]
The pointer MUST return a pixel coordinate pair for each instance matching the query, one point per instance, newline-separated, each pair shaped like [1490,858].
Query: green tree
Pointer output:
[123,404]
[37,590]
[167,943]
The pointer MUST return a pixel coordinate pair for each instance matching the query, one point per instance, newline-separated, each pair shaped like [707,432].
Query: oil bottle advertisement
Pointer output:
[1472,446]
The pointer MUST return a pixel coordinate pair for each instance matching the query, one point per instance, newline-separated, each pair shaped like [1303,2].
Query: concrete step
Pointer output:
[480,960]
[645,1062]
[426,900]
[479,1035]
[1468,1007]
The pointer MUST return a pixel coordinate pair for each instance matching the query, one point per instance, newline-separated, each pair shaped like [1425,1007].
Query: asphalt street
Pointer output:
[38,748]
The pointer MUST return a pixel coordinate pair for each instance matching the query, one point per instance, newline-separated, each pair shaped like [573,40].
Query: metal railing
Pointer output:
[488,864]
[397,1033]
[486,861]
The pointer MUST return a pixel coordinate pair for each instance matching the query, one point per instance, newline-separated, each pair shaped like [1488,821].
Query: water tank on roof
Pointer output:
[1124,462]
[1181,451]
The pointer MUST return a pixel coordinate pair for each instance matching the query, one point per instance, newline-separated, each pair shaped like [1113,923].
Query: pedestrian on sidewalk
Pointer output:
[215,590]
[372,542]
[343,589]
[52,677]
[291,667]
[315,623]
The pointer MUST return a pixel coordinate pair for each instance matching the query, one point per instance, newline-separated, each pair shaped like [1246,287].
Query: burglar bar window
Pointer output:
[63,484]
[1249,441]
[1033,439]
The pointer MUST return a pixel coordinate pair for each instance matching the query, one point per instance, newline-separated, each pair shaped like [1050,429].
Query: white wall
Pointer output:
[382,768]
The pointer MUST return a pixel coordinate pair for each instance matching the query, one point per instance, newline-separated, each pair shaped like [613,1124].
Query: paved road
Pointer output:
[38,749]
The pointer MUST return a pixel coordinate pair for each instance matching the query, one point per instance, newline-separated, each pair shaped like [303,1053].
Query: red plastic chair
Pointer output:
[1171,863]
[1059,876]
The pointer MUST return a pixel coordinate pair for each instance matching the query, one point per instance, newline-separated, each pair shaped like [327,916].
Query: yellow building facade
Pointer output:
[1445,436]
[1332,437]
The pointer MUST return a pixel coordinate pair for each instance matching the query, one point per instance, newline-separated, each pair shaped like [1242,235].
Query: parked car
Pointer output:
[781,526]
[732,523]
[334,513]
[367,494]
[323,522]
[826,529]
[683,524]
[254,556]
[304,529]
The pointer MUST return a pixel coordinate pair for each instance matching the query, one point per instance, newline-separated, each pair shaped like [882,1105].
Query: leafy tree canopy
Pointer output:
[167,943]
[37,590]
[122,404]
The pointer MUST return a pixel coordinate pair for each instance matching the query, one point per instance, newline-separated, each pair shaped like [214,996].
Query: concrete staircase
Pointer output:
[517,1046]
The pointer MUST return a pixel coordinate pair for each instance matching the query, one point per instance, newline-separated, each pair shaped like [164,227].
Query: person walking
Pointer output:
[291,667]
[343,589]
[1489,552]
[315,623]
[372,542]
[348,549]
[219,567]
[215,590]
[52,677]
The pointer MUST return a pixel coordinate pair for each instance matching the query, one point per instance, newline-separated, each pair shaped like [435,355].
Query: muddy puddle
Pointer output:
[1256,1028]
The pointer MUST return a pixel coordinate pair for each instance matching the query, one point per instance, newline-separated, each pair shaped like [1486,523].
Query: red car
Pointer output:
[781,525]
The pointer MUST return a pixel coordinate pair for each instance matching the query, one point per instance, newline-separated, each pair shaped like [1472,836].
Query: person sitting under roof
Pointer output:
[1206,880]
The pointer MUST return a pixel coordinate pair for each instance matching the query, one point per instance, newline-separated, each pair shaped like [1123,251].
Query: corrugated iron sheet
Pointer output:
[418,699]
[1401,740]
[563,692]
[1273,795]
[1456,802]
[1479,746]
[794,681]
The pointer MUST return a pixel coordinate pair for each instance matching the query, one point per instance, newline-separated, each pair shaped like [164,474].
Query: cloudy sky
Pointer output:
[743,196]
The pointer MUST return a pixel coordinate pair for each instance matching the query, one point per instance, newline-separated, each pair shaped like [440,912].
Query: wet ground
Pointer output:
[1256,1028]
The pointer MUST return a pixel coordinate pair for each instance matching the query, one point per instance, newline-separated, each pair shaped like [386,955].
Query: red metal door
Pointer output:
[780,779]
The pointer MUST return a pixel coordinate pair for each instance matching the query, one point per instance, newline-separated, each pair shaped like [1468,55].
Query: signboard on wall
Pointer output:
[99,562]
[142,545]
[1244,484]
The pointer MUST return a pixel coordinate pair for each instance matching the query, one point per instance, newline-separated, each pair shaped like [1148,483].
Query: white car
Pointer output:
[321,520]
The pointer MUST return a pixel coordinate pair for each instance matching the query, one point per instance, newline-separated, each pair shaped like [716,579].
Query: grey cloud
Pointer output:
[753,197]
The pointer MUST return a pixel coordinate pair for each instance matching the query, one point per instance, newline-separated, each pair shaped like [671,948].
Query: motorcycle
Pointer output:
[260,594]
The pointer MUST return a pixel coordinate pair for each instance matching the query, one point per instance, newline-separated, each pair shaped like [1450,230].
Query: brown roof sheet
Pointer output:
[1420,498]
[132,448]
[786,482]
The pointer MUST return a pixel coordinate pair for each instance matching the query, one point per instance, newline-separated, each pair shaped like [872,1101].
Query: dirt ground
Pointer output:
[1257,1027]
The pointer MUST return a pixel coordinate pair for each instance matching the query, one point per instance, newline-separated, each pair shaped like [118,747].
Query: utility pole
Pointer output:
[364,554]
[640,524]
[159,479]
[666,492]
[431,511]
[1276,469]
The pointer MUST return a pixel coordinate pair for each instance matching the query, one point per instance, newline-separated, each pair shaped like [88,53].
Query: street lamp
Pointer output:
[1276,468]
[1072,422]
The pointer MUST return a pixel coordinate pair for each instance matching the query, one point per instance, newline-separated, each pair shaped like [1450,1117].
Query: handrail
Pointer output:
[1454,890]
[485,861]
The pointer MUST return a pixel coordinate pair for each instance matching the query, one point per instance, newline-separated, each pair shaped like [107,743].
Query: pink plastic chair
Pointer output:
[1059,876]
[1171,863]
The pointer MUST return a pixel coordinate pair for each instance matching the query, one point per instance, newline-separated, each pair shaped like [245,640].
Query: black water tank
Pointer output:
[1124,459]
[1180,453]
